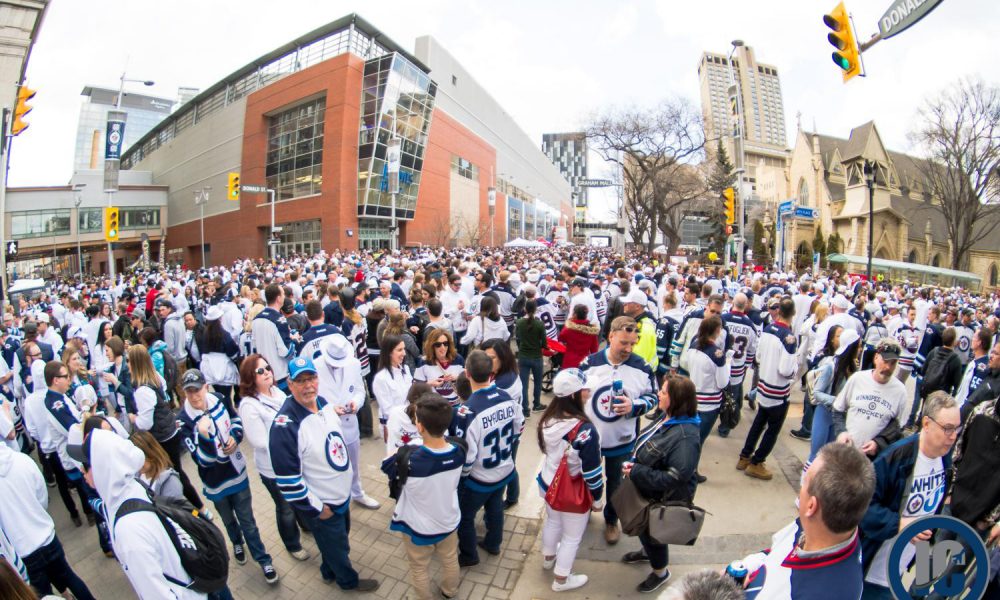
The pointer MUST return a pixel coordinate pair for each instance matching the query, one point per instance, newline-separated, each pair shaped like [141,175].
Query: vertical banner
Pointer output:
[114,140]
[392,160]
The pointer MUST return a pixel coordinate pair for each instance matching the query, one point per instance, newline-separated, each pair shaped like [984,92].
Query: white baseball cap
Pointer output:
[569,382]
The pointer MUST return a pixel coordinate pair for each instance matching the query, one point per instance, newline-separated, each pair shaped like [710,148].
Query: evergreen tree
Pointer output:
[819,245]
[721,175]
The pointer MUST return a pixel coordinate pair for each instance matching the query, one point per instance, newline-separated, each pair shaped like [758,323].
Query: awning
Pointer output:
[898,265]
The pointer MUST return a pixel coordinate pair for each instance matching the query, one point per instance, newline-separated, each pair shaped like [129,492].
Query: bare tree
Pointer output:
[650,146]
[959,131]
[441,233]
[469,232]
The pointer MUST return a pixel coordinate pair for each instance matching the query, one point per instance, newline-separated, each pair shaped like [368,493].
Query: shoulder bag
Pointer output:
[567,493]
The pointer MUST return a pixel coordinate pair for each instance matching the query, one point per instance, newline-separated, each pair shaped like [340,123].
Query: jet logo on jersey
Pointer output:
[336,452]
[602,402]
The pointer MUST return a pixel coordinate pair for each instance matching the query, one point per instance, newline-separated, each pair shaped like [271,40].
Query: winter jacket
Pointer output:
[580,338]
[666,458]
[988,389]
[953,371]
[893,473]
[531,338]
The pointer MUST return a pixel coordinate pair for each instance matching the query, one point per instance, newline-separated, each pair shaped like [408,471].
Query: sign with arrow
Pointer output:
[904,14]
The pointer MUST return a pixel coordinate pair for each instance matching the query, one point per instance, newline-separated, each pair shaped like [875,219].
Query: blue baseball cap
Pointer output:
[300,365]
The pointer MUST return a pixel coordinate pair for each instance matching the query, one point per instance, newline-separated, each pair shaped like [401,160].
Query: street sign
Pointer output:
[587,182]
[256,189]
[903,14]
[277,229]
[805,213]
[273,242]
[11,248]
[786,207]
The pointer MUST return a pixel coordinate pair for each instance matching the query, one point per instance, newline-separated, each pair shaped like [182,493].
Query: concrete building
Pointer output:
[312,119]
[144,113]
[568,152]
[827,175]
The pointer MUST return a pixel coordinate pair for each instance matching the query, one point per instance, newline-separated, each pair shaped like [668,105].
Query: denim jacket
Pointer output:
[665,464]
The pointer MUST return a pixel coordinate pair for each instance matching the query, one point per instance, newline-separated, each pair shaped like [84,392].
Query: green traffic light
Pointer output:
[841,61]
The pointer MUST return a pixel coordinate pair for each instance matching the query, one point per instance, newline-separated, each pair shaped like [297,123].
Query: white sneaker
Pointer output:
[206,514]
[573,581]
[368,502]
[548,563]
[301,554]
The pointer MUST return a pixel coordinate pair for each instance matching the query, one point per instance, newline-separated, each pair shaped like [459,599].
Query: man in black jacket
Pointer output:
[989,388]
[942,371]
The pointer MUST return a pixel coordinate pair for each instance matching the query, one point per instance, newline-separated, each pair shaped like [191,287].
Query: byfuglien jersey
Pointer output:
[490,421]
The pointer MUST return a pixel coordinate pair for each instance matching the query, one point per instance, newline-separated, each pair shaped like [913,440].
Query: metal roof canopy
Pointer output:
[903,266]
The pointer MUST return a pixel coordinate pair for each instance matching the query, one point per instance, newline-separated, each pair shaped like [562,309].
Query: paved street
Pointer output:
[744,514]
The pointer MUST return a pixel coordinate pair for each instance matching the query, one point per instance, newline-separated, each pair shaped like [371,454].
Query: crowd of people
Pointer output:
[442,355]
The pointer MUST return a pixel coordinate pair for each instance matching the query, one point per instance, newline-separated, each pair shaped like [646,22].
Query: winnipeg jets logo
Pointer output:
[405,437]
[963,344]
[57,405]
[463,411]
[583,436]
[602,403]
[336,452]
[281,420]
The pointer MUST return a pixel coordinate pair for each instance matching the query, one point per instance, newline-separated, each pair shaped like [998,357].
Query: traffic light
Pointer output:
[846,56]
[730,203]
[233,188]
[111,228]
[24,93]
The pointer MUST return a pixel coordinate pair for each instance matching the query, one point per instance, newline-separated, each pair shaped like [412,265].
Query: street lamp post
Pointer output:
[869,171]
[740,167]
[200,200]
[77,200]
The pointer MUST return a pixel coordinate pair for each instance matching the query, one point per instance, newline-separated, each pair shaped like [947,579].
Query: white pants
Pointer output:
[561,537]
[354,453]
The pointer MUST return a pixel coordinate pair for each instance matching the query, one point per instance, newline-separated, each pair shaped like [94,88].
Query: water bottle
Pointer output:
[738,571]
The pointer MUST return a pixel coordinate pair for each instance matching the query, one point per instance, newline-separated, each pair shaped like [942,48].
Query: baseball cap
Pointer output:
[193,380]
[888,348]
[634,296]
[138,313]
[847,337]
[163,302]
[569,381]
[214,313]
[842,303]
[300,365]
[579,282]
[43,318]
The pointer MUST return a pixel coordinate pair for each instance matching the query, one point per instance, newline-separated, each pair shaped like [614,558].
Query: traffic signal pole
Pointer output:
[4,159]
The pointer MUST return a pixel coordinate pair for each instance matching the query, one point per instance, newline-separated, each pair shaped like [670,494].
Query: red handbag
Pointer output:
[567,493]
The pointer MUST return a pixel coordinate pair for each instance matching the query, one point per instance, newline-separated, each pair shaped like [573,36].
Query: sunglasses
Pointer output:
[262,370]
[442,344]
[65,376]
[628,329]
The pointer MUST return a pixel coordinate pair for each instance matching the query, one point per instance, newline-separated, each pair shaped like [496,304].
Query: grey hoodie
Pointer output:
[174,335]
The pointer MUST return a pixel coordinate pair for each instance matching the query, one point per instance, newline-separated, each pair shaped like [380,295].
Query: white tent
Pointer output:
[660,250]
[523,243]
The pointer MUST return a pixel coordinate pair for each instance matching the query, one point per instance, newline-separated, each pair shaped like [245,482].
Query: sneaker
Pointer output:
[700,478]
[491,551]
[631,558]
[368,502]
[365,585]
[611,534]
[800,434]
[509,503]
[758,471]
[742,463]
[239,554]
[751,402]
[302,554]
[270,575]
[91,519]
[538,407]
[573,581]
[653,582]
[51,483]
[464,561]
[723,433]
[76,520]
[548,563]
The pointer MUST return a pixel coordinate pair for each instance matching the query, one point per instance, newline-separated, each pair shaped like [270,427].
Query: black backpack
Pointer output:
[935,371]
[403,465]
[169,370]
[199,543]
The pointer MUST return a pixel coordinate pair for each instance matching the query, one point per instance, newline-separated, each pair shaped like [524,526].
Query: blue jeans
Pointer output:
[47,566]
[236,512]
[223,594]
[876,592]
[288,529]
[331,538]
[915,408]
[822,430]
[469,502]
[533,367]
[807,415]
[612,479]
[514,487]
[708,419]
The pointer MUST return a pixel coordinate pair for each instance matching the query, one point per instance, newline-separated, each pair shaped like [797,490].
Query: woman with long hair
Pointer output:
[153,413]
[157,472]
[397,327]
[487,325]
[261,401]
[839,362]
[531,339]
[401,424]
[565,431]
[219,353]
[392,379]
[246,338]
[99,359]
[119,381]
[708,368]
[442,364]
[83,386]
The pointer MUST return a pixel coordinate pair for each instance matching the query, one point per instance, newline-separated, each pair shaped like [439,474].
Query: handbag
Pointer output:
[567,493]
[729,413]
[677,523]
[631,506]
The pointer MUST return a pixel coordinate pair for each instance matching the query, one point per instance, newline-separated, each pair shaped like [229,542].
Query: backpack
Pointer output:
[935,371]
[169,370]
[403,465]
[199,543]
[164,421]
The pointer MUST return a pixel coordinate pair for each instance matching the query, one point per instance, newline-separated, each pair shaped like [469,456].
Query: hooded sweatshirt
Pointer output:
[580,338]
[140,542]
[25,499]
[583,454]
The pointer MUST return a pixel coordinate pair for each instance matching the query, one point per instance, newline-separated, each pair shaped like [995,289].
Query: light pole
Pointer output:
[200,200]
[869,171]
[77,200]
[734,91]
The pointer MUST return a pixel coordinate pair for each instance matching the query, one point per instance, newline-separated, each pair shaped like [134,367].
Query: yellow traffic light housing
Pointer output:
[730,203]
[846,56]
[233,187]
[17,125]
[111,224]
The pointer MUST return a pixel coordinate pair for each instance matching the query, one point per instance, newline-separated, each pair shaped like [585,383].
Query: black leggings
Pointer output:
[63,484]
[173,450]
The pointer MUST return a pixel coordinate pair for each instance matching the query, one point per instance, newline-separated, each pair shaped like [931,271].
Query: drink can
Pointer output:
[738,571]
[617,387]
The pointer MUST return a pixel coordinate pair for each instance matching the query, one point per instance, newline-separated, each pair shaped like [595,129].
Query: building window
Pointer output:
[993,275]
[912,257]
[464,168]
[936,262]
[90,219]
[39,223]
[140,218]
[803,193]
[295,151]
[301,237]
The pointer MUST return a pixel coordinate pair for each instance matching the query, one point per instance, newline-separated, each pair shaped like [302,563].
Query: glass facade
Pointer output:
[39,223]
[301,237]
[464,168]
[90,219]
[397,99]
[144,217]
[295,151]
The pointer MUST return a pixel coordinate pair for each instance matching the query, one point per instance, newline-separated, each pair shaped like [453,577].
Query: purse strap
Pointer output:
[572,436]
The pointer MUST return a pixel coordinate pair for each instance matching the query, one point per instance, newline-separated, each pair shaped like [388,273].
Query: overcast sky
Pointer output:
[549,63]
